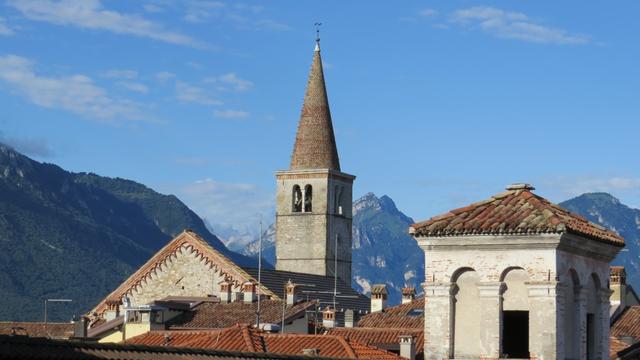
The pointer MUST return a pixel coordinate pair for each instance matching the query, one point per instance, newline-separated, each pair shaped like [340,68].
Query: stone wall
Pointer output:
[184,274]
[305,240]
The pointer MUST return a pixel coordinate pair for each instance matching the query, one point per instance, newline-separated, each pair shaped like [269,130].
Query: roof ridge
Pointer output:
[350,351]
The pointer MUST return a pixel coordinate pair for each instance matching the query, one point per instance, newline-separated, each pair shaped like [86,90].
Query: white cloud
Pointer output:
[152,8]
[428,12]
[240,205]
[230,82]
[165,75]
[28,146]
[134,86]
[90,14]
[121,74]
[200,11]
[76,93]
[5,30]
[231,114]
[514,25]
[194,94]
[579,185]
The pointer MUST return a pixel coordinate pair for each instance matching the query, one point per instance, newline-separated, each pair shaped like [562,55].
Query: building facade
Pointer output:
[516,276]
[313,199]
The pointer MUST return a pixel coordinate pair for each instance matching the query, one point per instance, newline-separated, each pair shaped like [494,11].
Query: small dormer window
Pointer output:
[296,199]
[308,198]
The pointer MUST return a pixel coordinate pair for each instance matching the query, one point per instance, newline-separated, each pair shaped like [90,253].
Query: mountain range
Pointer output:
[79,235]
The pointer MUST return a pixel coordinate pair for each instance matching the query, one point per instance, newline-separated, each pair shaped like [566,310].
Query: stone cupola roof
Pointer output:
[516,211]
[315,146]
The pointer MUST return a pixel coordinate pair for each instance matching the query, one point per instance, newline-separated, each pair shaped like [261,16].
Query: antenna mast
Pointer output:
[259,275]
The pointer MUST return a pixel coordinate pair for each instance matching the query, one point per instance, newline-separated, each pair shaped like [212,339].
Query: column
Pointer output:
[581,305]
[545,320]
[438,329]
[491,318]
[602,324]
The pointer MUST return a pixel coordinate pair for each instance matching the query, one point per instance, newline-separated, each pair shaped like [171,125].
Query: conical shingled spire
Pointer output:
[315,146]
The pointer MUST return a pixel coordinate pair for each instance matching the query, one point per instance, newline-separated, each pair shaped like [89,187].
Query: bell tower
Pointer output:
[314,197]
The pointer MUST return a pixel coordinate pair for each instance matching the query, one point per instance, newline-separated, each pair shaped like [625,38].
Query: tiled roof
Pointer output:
[26,348]
[245,338]
[189,239]
[327,345]
[221,315]
[515,211]
[313,287]
[37,329]
[315,146]
[627,324]
[404,316]
[382,338]
[615,346]
[383,329]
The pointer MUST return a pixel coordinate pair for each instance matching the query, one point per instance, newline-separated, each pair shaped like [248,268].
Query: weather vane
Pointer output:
[317,25]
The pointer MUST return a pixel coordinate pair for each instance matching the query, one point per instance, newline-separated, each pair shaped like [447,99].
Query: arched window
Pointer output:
[338,200]
[296,199]
[571,315]
[308,198]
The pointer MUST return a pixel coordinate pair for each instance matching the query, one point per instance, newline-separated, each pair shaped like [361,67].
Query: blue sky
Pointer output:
[434,103]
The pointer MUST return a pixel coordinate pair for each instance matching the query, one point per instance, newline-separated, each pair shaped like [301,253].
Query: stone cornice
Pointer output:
[314,174]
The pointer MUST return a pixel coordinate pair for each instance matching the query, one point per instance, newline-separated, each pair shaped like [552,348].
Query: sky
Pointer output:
[434,103]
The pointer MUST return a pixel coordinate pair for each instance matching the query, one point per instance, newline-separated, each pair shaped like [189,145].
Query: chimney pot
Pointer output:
[408,294]
[408,347]
[249,292]
[329,318]
[225,291]
[291,293]
[378,297]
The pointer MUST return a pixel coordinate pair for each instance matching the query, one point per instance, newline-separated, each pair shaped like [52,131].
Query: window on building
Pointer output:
[296,199]
[308,198]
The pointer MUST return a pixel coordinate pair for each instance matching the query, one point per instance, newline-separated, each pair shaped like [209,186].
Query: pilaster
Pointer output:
[491,318]
[581,305]
[437,331]
[602,324]
[545,301]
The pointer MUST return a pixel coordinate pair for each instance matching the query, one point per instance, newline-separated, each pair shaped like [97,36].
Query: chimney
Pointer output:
[618,286]
[291,293]
[225,291]
[249,292]
[113,309]
[348,318]
[378,297]
[408,347]
[408,294]
[329,318]
[310,352]
[80,326]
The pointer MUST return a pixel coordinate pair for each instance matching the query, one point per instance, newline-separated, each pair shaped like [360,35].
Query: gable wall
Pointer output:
[185,274]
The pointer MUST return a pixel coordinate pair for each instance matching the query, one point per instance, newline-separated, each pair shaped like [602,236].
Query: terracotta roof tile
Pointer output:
[247,339]
[221,315]
[37,329]
[516,211]
[382,338]
[615,346]
[404,316]
[627,324]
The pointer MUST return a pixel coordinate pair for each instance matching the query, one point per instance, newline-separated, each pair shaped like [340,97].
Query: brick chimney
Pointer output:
[348,318]
[378,297]
[618,286]
[408,294]
[291,293]
[225,291]
[329,318]
[80,327]
[408,347]
[249,292]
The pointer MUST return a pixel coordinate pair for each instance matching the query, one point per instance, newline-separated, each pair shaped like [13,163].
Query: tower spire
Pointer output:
[315,146]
